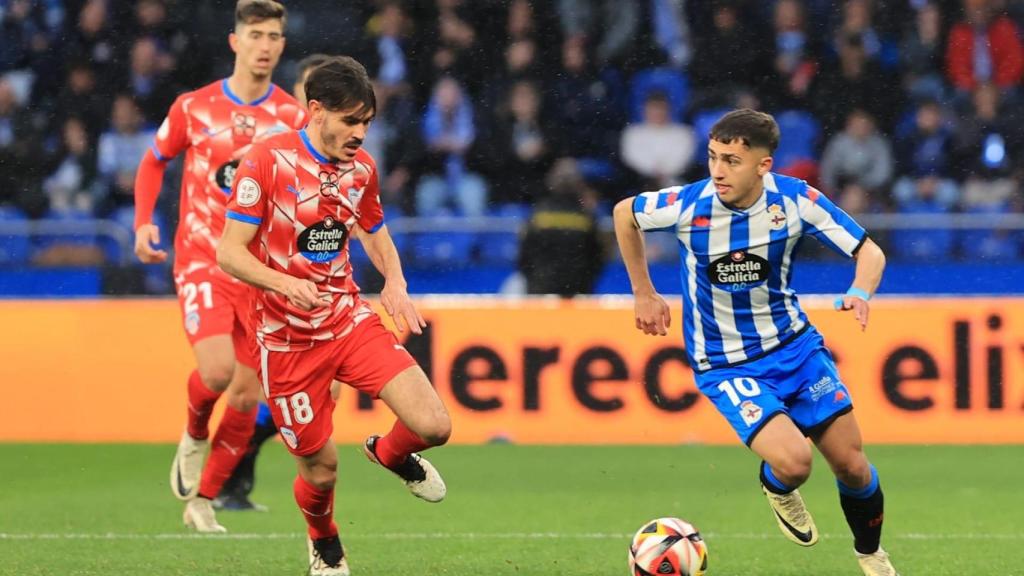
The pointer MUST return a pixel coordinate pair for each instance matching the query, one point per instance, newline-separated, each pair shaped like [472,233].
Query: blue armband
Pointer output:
[853,291]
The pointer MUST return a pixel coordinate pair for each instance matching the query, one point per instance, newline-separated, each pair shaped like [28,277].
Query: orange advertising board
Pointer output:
[530,371]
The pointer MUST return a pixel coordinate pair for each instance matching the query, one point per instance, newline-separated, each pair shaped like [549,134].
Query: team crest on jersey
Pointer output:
[192,323]
[776,219]
[289,438]
[355,195]
[750,412]
[244,125]
[329,184]
[739,271]
[323,241]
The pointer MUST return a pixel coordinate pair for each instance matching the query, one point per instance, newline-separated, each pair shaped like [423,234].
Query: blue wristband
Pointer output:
[862,294]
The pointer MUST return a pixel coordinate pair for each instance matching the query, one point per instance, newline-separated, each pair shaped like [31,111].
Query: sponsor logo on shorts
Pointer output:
[823,387]
[192,323]
[750,412]
[289,438]
[739,271]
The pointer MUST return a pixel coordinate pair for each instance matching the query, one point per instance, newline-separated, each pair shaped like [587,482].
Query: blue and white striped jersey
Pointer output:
[737,264]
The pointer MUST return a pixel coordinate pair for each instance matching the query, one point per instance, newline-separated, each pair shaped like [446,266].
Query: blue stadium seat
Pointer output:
[703,120]
[673,83]
[922,245]
[454,248]
[989,244]
[499,247]
[800,132]
[515,210]
[14,248]
[86,237]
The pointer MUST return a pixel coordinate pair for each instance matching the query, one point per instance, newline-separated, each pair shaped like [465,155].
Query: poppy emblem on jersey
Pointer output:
[750,412]
[813,193]
[701,222]
[289,438]
[245,125]
[323,241]
[738,271]
[248,192]
[329,184]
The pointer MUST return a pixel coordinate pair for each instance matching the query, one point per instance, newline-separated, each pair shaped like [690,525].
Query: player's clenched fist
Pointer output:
[652,314]
[146,237]
[303,294]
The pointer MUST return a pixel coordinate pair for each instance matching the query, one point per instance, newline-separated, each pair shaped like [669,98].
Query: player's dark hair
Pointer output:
[752,128]
[341,83]
[308,63]
[254,11]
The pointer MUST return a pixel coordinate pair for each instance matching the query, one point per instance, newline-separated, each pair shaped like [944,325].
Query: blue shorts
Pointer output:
[799,379]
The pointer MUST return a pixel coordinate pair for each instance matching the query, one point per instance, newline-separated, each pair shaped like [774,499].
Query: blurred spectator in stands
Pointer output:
[20,155]
[561,252]
[28,31]
[983,47]
[119,153]
[854,199]
[610,26]
[148,81]
[859,154]
[449,130]
[521,147]
[388,35]
[658,149]
[857,20]
[926,152]
[80,97]
[69,186]
[450,45]
[93,41]
[795,57]
[723,61]
[854,83]
[988,144]
[587,106]
[302,70]
[921,54]
[169,31]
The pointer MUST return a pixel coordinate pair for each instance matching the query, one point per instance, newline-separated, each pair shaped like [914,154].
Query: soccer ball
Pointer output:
[668,546]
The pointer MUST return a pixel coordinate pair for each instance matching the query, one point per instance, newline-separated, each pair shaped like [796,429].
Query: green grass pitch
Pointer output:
[511,510]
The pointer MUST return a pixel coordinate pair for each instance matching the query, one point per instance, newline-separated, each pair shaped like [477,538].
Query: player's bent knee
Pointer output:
[438,432]
[794,469]
[854,472]
[217,376]
[244,401]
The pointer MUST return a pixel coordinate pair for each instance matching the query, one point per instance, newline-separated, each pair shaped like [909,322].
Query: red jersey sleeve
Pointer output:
[172,137]
[371,213]
[252,187]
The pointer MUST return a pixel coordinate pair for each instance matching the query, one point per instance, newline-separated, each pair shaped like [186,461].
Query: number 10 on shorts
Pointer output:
[295,407]
[746,387]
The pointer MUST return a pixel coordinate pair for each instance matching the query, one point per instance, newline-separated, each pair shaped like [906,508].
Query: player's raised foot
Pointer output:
[237,503]
[876,564]
[199,516]
[187,467]
[326,557]
[419,475]
[793,518]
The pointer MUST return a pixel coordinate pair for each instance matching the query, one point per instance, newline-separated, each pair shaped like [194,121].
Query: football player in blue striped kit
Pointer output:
[754,354]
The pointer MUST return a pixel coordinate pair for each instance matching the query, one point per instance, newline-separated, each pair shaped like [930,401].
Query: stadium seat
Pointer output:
[14,248]
[916,245]
[455,248]
[669,81]
[988,244]
[499,247]
[703,120]
[800,132]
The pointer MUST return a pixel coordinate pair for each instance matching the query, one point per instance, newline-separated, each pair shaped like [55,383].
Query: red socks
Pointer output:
[229,445]
[317,507]
[200,405]
[400,442]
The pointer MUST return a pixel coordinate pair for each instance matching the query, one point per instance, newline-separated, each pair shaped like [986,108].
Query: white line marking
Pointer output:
[469,536]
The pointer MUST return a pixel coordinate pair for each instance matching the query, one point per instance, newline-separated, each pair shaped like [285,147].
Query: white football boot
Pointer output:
[792,516]
[199,515]
[876,564]
[187,467]
[326,557]
[418,474]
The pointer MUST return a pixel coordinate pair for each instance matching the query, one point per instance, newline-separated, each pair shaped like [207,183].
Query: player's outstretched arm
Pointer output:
[148,179]
[870,265]
[650,309]
[394,296]
[234,257]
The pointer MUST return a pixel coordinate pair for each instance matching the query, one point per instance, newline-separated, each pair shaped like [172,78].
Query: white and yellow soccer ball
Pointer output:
[668,546]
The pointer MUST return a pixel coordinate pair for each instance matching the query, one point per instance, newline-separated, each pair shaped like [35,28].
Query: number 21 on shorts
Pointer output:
[742,386]
[295,408]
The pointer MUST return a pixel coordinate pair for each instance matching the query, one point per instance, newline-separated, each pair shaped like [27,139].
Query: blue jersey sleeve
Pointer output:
[829,223]
[659,210]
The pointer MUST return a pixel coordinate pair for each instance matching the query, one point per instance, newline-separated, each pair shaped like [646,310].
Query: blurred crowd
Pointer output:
[904,106]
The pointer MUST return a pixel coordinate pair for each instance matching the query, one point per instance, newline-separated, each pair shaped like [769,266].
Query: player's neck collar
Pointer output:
[313,151]
[226,87]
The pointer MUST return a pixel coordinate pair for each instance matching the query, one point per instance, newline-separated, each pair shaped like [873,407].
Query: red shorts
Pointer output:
[298,384]
[213,303]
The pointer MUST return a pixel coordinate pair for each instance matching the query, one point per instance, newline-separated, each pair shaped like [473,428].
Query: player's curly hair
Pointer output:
[253,11]
[754,129]
[341,83]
